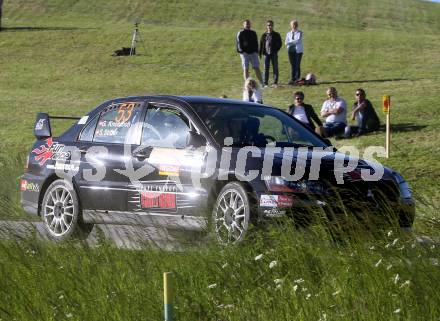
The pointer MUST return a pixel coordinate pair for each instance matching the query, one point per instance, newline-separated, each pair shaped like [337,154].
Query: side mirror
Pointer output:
[195,140]
[42,126]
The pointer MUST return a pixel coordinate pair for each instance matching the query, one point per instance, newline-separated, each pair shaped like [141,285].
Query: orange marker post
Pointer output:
[386,109]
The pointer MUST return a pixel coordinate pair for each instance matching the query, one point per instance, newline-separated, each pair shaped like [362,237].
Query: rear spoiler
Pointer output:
[42,128]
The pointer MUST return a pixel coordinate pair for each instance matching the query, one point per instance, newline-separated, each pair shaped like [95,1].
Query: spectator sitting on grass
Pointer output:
[364,114]
[252,91]
[334,109]
[304,112]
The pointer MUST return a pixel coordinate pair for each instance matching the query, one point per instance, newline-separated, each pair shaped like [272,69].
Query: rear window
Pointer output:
[116,123]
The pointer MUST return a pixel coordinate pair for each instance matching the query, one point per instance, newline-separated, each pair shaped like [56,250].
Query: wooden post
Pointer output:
[168,296]
[386,110]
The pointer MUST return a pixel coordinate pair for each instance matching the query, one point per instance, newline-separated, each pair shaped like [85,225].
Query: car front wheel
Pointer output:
[61,213]
[231,213]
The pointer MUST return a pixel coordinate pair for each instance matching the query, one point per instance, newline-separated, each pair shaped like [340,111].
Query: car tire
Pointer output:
[61,213]
[231,214]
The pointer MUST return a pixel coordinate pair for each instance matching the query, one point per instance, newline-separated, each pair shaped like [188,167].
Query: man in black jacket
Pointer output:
[305,113]
[270,44]
[247,47]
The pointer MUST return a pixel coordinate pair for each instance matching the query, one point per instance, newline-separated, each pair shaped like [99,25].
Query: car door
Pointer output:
[105,144]
[167,187]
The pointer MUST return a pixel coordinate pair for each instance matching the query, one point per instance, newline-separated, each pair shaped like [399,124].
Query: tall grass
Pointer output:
[278,274]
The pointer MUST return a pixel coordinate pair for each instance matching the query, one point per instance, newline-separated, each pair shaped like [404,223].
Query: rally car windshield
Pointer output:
[250,125]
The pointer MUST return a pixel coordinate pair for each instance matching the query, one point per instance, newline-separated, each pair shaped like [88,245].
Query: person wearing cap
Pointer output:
[334,109]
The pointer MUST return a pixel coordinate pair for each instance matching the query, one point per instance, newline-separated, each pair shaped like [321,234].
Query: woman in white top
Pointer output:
[252,92]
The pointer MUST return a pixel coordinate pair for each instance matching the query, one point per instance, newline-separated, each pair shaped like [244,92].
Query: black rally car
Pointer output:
[191,162]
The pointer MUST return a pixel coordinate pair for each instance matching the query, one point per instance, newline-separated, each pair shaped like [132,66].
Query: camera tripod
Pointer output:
[135,39]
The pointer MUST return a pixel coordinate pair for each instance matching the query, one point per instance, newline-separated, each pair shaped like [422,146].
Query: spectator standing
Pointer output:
[304,112]
[252,92]
[247,47]
[364,114]
[334,109]
[295,49]
[270,44]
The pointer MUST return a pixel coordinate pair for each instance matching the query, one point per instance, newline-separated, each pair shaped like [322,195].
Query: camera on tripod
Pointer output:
[136,37]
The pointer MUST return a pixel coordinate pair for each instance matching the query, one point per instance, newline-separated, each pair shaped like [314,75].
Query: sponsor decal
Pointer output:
[169,170]
[158,200]
[62,167]
[269,200]
[39,125]
[106,132]
[29,186]
[23,184]
[285,201]
[120,118]
[50,150]
[281,201]
[158,196]
[125,111]
[83,120]
[274,212]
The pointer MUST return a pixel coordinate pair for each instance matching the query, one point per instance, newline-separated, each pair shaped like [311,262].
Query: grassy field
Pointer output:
[55,56]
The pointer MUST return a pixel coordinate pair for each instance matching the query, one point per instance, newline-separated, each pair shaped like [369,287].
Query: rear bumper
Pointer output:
[30,207]
[30,187]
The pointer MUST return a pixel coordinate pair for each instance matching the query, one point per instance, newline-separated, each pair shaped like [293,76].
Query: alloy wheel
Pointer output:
[59,211]
[230,217]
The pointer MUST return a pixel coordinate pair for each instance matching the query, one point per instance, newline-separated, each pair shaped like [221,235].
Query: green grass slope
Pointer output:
[55,56]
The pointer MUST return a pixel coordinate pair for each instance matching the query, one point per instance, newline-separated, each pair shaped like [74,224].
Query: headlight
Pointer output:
[278,184]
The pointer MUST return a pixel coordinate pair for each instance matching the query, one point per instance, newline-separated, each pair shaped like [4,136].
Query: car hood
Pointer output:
[316,163]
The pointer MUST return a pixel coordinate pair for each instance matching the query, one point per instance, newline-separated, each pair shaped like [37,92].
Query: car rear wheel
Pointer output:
[61,213]
[231,214]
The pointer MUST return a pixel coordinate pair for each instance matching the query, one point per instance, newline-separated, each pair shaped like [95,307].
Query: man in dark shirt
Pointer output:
[364,114]
[247,47]
[270,44]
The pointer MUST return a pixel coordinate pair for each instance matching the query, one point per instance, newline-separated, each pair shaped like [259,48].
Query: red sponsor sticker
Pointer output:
[285,201]
[158,200]
[23,185]
[44,152]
